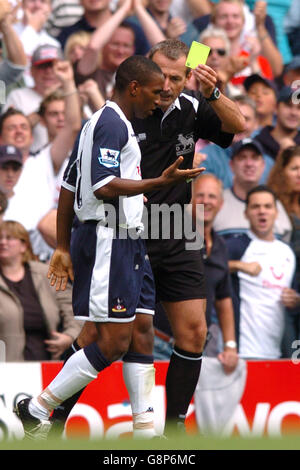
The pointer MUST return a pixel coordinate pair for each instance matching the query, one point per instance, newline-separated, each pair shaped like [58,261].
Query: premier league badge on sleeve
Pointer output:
[109,158]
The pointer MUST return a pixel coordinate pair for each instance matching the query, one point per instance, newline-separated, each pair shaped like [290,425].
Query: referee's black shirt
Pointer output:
[165,137]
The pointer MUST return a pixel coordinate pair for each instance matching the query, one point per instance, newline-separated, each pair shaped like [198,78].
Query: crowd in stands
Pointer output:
[58,64]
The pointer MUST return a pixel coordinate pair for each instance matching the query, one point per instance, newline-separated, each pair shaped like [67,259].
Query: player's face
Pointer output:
[292,174]
[9,175]
[261,213]
[16,131]
[148,97]
[207,191]
[175,78]
[247,166]
[54,117]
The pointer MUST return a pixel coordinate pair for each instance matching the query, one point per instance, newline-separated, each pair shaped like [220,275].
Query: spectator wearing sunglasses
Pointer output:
[221,60]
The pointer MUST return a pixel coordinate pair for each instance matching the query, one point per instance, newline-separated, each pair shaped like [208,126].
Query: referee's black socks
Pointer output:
[182,378]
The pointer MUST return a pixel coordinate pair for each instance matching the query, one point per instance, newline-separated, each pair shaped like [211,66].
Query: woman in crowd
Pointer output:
[284,179]
[36,322]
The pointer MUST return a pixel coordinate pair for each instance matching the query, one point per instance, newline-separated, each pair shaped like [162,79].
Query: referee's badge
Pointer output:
[109,158]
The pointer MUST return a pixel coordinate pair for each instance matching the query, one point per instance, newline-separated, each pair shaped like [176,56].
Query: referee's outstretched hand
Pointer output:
[60,269]
[174,175]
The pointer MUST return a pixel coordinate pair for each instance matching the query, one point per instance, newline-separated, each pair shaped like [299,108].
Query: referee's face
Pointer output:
[175,73]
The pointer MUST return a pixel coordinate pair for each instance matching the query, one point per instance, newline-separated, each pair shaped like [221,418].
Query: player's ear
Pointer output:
[134,88]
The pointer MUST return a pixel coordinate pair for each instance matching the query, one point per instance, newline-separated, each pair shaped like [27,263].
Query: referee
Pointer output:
[173,130]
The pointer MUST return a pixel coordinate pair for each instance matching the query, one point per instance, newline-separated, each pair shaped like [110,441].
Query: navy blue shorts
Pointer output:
[112,276]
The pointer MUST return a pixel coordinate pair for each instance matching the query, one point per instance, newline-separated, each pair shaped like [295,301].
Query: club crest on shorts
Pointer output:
[109,158]
[118,306]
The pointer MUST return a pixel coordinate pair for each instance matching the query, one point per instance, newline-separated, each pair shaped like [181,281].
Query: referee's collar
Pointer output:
[175,104]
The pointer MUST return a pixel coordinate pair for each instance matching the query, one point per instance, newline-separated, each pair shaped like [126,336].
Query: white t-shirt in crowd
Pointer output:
[261,310]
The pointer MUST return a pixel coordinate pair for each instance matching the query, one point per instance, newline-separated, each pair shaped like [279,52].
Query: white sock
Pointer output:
[37,410]
[75,375]
[139,379]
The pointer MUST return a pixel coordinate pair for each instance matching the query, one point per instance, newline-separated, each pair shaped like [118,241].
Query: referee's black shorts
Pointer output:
[178,272]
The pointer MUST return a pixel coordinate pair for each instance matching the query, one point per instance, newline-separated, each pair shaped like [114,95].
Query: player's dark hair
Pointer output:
[261,188]
[11,112]
[136,67]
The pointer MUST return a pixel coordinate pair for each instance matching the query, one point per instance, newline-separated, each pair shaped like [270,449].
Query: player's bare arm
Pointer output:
[125,187]
[60,267]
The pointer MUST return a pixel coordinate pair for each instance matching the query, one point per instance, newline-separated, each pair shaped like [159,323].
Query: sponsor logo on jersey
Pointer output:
[109,158]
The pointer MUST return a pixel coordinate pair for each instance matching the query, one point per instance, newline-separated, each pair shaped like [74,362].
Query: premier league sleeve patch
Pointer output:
[109,158]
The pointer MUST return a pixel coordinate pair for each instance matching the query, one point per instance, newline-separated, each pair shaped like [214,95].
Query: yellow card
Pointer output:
[198,54]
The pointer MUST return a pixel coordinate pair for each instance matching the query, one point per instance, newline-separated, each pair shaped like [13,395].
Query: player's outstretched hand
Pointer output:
[60,269]
[173,174]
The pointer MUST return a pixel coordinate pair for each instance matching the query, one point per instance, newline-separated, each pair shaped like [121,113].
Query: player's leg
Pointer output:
[139,376]
[138,369]
[81,368]
[188,323]
[60,415]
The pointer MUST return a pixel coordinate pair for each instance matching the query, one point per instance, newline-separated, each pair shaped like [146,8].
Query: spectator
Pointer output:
[63,13]
[120,46]
[31,312]
[291,24]
[10,169]
[28,99]
[247,165]
[117,41]
[284,180]
[292,72]
[15,62]
[96,13]
[264,57]
[31,30]
[188,10]
[172,27]
[264,93]
[261,294]
[42,173]
[286,132]
[76,45]
[217,160]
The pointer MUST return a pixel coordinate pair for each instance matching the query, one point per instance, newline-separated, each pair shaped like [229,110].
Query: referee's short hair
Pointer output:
[261,188]
[136,67]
